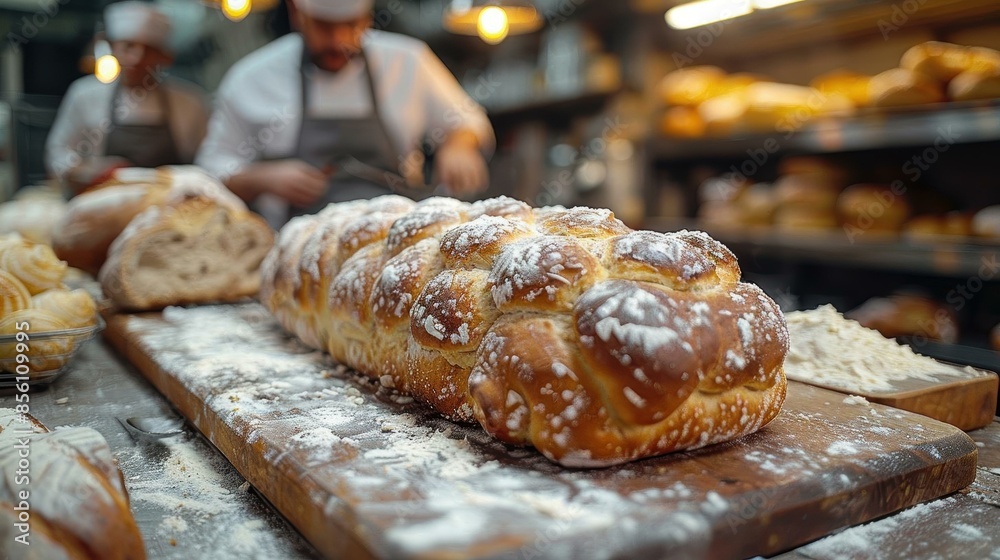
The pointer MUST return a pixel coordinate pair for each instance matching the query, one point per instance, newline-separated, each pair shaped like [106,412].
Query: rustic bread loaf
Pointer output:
[78,503]
[195,251]
[561,329]
[95,218]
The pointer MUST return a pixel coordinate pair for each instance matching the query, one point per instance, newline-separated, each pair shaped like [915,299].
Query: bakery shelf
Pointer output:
[550,107]
[952,123]
[982,358]
[951,257]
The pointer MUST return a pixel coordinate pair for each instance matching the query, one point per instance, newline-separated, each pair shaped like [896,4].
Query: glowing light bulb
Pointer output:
[492,24]
[235,10]
[106,68]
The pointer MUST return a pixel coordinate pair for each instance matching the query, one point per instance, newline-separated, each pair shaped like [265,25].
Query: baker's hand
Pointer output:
[93,172]
[293,180]
[459,165]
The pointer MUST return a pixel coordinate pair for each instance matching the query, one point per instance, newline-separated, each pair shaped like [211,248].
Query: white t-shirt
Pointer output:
[84,119]
[257,113]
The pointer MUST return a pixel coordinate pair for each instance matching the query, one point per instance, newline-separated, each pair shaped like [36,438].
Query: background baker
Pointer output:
[289,115]
[144,118]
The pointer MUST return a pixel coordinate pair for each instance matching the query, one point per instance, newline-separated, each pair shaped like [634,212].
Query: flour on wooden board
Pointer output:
[828,349]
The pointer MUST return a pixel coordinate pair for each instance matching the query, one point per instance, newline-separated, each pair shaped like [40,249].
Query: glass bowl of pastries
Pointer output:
[43,323]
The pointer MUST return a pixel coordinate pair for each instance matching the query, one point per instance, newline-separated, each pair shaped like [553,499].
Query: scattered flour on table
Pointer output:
[193,487]
[173,525]
[965,532]
[861,541]
[828,349]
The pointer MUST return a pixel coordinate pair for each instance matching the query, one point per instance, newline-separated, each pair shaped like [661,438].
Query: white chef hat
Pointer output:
[335,10]
[136,21]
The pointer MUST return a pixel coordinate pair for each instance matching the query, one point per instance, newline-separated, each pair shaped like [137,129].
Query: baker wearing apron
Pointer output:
[393,87]
[324,142]
[136,119]
[143,145]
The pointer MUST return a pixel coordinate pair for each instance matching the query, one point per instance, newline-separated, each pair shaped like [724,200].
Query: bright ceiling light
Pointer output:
[765,4]
[704,12]
[235,10]
[106,69]
[492,20]
[493,25]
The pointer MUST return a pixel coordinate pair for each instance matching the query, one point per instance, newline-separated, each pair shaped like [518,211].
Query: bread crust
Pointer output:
[557,328]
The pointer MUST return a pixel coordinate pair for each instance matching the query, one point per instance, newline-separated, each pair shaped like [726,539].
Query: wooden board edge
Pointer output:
[979,394]
[879,498]
[332,538]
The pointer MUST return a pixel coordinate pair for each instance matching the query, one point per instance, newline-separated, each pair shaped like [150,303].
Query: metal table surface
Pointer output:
[190,503]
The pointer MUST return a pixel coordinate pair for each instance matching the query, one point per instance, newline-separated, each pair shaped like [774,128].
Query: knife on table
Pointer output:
[393,181]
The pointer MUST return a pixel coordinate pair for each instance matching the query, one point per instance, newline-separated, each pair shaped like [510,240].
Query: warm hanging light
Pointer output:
[765,4]
[493,24]
[705,12]
[492,20]
[106,66]
[235,10]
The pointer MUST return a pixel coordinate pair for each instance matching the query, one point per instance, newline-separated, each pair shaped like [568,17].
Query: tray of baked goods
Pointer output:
[43,323]
[488,380]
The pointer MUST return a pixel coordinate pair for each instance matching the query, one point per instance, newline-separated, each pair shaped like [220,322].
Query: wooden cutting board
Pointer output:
[362,473]
[965,398]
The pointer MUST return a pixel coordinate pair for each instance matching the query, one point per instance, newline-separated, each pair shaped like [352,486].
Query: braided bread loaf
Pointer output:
[562,329]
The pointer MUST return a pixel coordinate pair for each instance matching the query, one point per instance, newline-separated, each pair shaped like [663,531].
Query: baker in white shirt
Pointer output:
[141,119]
[289,115]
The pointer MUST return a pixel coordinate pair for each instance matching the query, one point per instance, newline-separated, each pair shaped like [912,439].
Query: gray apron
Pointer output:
[324,142]
[144,145]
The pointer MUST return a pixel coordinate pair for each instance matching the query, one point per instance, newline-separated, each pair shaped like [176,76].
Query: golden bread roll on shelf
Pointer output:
[799,218]
[937,60]
[873,207]
[908,315]
[757,204]
[849,84]
[691,86]
[901,87]
[682,122]
[557,328]
[986,222]
[924,227]
[801,191]
[974,85]
[724,115]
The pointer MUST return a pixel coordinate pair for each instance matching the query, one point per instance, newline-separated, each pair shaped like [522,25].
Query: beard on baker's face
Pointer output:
[332,60]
